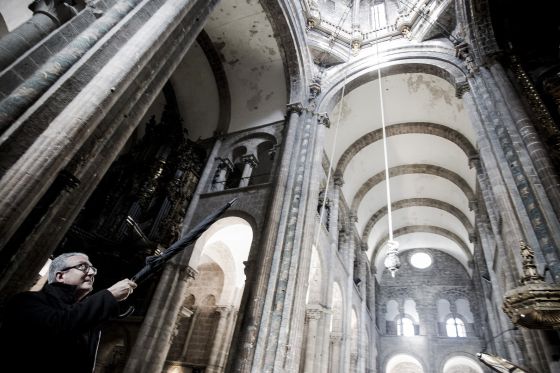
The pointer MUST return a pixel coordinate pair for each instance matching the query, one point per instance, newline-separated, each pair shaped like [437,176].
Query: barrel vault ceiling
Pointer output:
[234,78]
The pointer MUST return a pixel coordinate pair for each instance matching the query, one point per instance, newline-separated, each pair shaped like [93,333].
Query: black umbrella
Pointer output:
[155,263]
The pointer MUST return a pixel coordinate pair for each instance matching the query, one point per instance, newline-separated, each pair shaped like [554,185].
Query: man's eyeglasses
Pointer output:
[84,267]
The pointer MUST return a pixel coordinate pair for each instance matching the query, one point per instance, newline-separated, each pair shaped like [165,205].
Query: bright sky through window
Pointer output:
[421,260]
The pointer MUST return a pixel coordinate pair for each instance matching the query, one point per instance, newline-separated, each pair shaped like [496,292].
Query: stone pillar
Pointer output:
[535,217]
[194,314]
[338,182]
[310,172]
[526,130]
[249,163]
[154,338]
[225,167]
[335,353]
[66,129]
[324,335]
[312,363]
[246,354]
[362,339]
[222,339]
[47,16]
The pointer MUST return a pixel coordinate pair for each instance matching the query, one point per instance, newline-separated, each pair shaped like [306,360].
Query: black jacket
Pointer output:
[48,331]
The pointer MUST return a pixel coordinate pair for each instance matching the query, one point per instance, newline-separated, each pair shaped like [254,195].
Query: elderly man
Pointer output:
[58,327]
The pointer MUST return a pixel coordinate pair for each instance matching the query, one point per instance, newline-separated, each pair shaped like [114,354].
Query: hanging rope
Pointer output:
[391,260]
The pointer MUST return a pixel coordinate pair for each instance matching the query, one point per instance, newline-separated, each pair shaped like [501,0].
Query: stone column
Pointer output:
[526,130]
[66,129]
[324,335]
[249,163]
[338,182]
[194,314]
[535,215]
[309,173]
[154,338]
[47,16]
[335,352]
[258,312]
[222,339]
[312,316]
[362,340]
[225,167]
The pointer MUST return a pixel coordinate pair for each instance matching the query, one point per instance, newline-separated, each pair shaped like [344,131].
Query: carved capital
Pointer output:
[405,31]
[323,119]
[186,312]
[473,237]
[462,51]
[224,163]
[189,273]
[338,180]
[295,107]
[461,89]
[315,88]
[250,159]
[357,38]
[474,162]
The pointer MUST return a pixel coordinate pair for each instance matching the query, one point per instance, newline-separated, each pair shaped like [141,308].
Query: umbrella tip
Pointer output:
[232,201]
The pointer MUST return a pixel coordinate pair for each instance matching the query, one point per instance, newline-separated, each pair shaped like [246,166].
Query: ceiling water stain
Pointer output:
[416,82]
[253,102]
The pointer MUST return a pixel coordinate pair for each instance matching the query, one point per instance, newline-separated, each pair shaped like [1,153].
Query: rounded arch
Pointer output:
[264,136]
[432,129]
[227,244]
[428,169]
[461,364]
[315,281]
[448,242]
[337,325]
[362,71]
[403,363]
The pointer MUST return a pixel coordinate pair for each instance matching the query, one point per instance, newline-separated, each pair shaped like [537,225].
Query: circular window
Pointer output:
[421,260]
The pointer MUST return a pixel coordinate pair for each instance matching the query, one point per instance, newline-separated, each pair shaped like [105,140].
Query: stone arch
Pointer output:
[428,202]
[403,363]
[315,281]
[405,128]
[227,242]
[408,60]
[414,168]
[337,325]
[461,364]
[425,228]
[336,328]
[235,174]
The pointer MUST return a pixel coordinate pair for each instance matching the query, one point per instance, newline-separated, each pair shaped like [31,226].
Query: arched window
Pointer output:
[405,327]
[455,327]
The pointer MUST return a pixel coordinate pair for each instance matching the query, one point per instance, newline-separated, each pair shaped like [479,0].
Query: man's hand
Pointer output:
[122,289]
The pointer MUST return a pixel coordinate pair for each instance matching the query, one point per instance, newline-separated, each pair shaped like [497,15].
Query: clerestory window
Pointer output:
[455,327]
